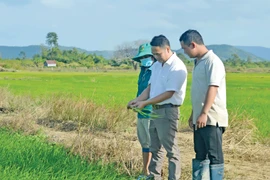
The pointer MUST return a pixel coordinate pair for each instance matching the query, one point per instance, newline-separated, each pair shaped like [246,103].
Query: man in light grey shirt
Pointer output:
[209,115]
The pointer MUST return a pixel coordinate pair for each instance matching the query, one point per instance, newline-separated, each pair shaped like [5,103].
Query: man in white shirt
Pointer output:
[209,115]
[166,92]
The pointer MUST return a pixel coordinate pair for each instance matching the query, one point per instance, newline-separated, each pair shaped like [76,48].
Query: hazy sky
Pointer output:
[104,24]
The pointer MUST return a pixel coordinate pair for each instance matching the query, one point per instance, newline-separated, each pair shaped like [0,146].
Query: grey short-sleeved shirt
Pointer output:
[209,71]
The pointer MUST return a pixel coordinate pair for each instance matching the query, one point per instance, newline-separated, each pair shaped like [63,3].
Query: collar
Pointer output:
[207,55]
[170,60]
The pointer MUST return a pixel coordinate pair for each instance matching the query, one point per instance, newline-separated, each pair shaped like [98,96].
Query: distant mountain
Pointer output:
[105,54]
[261,52]
[225,52]
[12,52]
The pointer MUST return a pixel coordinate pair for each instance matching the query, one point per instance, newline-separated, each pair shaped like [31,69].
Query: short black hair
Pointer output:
[160,41]
[191,36]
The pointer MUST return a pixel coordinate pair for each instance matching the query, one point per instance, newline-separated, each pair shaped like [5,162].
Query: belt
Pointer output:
[156,106]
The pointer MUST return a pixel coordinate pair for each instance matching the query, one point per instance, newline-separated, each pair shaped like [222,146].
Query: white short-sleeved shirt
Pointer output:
[209,71]
[172,76]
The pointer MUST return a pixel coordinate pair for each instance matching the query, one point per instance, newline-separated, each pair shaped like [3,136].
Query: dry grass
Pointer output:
[65,113]
[83,112]
[109,135]
[18,113]
[113,148]
[241,140]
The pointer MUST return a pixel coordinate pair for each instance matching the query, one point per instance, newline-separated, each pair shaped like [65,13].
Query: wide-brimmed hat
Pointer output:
[144,49]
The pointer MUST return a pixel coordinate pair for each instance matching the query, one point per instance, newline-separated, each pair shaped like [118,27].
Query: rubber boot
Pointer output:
[216,171]
[200,169]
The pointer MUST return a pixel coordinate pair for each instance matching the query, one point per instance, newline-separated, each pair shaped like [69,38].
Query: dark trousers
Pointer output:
[208,144]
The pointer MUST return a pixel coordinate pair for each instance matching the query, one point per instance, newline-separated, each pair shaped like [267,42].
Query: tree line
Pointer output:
[121,58]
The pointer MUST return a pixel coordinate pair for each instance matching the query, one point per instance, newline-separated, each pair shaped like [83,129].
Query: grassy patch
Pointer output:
[29,157]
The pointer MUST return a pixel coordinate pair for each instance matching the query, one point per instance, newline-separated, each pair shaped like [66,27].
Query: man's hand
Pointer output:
[201,121]
[140,104]
[131,104]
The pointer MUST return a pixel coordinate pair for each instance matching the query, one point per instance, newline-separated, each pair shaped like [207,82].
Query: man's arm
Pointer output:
[143,96]
[209,100]
[160,98]
[155,100]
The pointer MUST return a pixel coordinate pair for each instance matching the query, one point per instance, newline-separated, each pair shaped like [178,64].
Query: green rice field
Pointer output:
[248,94]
